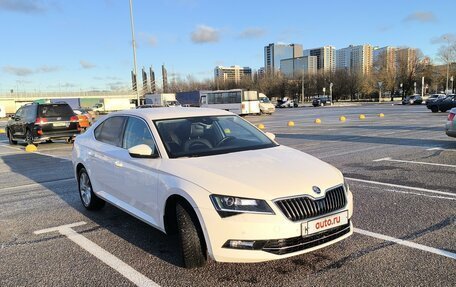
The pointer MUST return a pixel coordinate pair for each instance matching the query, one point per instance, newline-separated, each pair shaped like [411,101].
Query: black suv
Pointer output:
[34,123]
[442,104]
[321,101]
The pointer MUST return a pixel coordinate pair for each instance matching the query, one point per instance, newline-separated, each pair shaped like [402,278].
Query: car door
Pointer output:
[140,175]
[103,159]
[15,125]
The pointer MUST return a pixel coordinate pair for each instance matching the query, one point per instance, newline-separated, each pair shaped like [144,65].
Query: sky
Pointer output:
[65,45]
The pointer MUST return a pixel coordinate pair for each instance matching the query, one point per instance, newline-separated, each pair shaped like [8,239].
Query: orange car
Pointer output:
[83,121]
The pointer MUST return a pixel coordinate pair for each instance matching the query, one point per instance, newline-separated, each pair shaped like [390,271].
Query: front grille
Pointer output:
[300,208]
[299,243]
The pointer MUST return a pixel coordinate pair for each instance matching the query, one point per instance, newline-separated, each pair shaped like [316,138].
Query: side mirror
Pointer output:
[141,151]
[271,136]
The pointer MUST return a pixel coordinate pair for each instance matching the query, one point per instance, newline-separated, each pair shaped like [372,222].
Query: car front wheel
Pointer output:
[10,138]
[191,238]
[88,197]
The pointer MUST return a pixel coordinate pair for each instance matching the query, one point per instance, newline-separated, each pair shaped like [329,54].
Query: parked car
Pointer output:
[448,103]
[321,101]
[412,100]
[450,126]
[34,123]
[146,106]
[286,102]
[434,97]
[86,117]
[434,105]
[200,173]
[266,107]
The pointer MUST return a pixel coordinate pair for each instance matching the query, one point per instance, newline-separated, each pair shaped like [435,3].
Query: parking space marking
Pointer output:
[406,243]
[414,162]
[36,184]
[348,152]
[126,270]
[403,186]
[440,148]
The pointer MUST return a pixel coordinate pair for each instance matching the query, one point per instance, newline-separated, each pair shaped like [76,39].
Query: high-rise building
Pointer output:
[233,73]
[355,58]
[273,53]
[295,67]
[385,57]
[326,58]
[406,58]
[343,58]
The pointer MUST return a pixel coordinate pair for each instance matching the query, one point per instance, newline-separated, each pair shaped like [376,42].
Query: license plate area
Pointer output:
[324,223]
[61,124]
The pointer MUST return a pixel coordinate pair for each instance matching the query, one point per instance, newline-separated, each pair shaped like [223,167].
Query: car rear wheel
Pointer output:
[88,197]
[28,137]
[10,138]
[434,109]
[191,238]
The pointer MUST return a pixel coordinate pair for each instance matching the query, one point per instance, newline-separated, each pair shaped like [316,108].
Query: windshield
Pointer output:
[209,135]
[265,100]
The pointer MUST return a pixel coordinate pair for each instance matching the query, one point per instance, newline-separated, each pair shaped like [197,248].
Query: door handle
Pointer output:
[118,163]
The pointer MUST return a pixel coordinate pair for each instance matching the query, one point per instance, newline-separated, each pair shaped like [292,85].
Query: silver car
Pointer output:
[451,123]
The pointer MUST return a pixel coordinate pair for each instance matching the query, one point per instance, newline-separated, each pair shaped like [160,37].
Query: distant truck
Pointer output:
[161,100]
[266,107]
[112,105]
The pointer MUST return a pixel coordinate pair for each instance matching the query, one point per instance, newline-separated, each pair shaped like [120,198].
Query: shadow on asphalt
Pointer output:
[402,128]
[110,218]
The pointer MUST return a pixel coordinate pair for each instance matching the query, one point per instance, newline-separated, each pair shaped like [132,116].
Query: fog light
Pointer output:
[244,244]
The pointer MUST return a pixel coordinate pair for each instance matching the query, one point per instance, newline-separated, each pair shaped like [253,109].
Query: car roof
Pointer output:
[172,113]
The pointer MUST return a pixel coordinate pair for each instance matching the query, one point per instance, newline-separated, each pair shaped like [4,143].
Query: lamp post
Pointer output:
[134,51]
[452,84]
[331,93]
[448,62]
[402,91]
[414,85]
[380,91]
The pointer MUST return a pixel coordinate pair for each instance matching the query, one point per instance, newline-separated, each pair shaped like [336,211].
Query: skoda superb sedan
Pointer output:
[205,174]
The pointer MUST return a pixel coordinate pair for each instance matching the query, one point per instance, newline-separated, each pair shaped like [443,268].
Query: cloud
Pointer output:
[251,33]
[22,6]
[444,39]
[205,34]
[115,86]
[47,69]
[423,17]
[67,85]
[18,71]
[148,39]
[23,71]
[86,64]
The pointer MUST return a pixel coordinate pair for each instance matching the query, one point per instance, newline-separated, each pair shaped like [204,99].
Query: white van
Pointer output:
[2,112]
[266,107]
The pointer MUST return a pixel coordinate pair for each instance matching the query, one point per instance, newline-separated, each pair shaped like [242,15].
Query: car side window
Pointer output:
[110,131]
[19,113]
[137,132]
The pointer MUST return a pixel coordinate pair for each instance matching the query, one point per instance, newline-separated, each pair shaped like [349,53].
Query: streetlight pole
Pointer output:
[134,51]
[448,62]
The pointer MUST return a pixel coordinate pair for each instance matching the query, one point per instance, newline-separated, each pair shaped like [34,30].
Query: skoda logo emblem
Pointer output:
[316,189]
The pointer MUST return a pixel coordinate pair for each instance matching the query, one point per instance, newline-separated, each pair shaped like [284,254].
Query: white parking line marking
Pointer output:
[420,194]
[440,148]
[403,186]
[415,162]
[36,184]
[348,152]
[406,243]
[126,270]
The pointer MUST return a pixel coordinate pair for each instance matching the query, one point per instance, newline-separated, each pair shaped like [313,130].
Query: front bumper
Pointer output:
[276,236]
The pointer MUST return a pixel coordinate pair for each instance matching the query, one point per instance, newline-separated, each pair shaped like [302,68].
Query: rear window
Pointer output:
[57,110]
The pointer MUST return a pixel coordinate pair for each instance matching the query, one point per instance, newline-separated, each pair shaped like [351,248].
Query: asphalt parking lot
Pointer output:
[401,169]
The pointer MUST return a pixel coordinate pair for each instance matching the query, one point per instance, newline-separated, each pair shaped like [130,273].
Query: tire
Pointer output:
[10,138]
[191,239]
[88,197]
[434,109]
[28,137]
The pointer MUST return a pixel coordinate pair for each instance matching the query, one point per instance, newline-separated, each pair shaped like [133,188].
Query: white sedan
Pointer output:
[227,189]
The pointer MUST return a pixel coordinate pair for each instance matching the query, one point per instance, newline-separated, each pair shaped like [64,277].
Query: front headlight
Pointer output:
[346,186]
[230,205]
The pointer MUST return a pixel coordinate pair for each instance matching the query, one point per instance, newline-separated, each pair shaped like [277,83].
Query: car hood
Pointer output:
[265,174]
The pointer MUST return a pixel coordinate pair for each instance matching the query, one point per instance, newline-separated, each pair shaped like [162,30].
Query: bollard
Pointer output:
[30,148]
[342,119]
[318,121]
[261,126]
[381,115]
[291,124]
[362,117]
